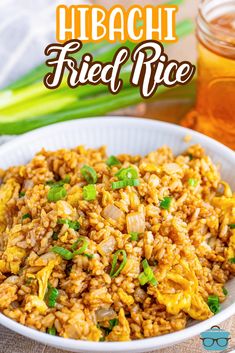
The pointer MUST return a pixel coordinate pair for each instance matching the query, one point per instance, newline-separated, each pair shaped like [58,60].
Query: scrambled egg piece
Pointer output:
[64,209]
[43,277]
[227,189]
[37,301]
[179,291]
[80,326]
[94,334]
[227,201]
[7,294]
[4,267]
[227,204]
[74,195]
[6,192]
[224,202]
[125,298]
[230,254]
[14,256]
[33,301]
[120,332]
[150,167]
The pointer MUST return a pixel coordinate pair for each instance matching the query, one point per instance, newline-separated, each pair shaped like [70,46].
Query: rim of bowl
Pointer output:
[135,345]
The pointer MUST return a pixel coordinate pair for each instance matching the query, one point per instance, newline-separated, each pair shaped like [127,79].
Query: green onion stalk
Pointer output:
[27,104]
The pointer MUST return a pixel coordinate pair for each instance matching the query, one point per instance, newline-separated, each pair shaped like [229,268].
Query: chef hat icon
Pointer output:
[215,339]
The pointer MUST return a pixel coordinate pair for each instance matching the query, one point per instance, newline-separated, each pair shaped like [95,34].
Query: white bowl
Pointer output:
[121,135]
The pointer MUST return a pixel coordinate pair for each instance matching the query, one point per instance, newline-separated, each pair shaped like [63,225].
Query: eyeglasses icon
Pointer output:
[221,342]
[215,339]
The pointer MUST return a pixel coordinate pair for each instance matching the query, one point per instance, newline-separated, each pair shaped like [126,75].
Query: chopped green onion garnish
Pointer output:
[134,236]
[28,281]
[165,203]
[112,160]
[107,330]
[82,248]
[26,215]
[74,225]
[132,182]
[213,303]
[66,179]
[232,226]
[225,291]
[71,224]
[55,236]
[89,256]
[127,173]
[112,323]
[89,192]
[54,184]
[50,182]
[56,193]
[51,331]
[119,184]
[52,295]
[232,260]
[89,174]
[147,276]
[21,194]
[114,272]
[193,182]
[190,156]
[127,177]
[153,281]
[123,183]
[66,254]
[143,279]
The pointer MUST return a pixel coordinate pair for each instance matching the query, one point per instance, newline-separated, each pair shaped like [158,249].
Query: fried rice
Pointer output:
[147,250]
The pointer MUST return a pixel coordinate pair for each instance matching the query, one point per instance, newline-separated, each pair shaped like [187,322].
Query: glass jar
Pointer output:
[215,104]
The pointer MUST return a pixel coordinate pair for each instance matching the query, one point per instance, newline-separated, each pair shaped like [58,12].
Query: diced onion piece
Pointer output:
[140,295]
[105,314]
[227,189]
[171,168]
[64,208]
[28,184]
[12,279]
[107,246]
[135,222]
[44,259]
[113,212]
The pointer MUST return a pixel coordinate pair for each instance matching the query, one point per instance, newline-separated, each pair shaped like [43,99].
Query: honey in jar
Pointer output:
[215,105]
